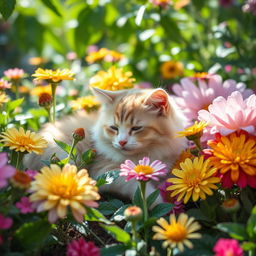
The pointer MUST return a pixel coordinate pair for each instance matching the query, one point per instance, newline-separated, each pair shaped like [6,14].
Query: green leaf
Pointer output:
[107,208]
[152,197]
[119,214]
[137,199]
[247,246]
[107,178]
[235,230]
[7,7]
[119,234]
[198,215]
[95,215]
[115,249]
[33,234]
[37,113]
[161,209]
[11,105]
[251,224]
[65,146]
[51,6]
[88,156]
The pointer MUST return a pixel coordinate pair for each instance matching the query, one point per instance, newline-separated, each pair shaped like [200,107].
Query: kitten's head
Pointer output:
[134,121]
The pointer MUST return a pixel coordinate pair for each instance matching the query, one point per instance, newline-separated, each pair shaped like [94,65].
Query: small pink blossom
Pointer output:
[4,84]
[82,248]
[14,73]
[166,196]
[5,222]
[144,171]
[193,97]
[31,173]
[24,205]
[226,247]
[226,116]
[162,3]
[92,48]
[71,56]
[144,85]
[6,171]
[228,68]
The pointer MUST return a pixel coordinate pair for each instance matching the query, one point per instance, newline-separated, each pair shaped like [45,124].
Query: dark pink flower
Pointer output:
[144,171]
[14,73]
[6,171]
[4,84]
[31,173]
[82,248]
[5,223]
[24,205]
[226,247]
[226,3]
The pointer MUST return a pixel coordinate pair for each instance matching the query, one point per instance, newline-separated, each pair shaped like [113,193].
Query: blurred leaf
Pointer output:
[11,105]
[88,156]
[161,209]
[115,249]
[251,225]
[197,214]
[51,6]
[65,146]
[107,178]
[33,234]
[140,14]
[247,246]
[235,230]
[152,197]
[7,7]
[137,199]
[107,208]
[94,215]
[37,113]
[119,234]
[119,214]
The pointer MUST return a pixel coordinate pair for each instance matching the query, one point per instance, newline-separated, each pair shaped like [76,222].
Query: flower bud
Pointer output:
[230,205]
[45,100]
[133,213]
[79,134]
[21,180]
[54,159]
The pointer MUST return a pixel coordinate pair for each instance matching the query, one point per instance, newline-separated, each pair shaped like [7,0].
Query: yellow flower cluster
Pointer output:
[104,54]
[193,131]
[171,69]
[87,103]
[114,79]
[3,98]
[55,189]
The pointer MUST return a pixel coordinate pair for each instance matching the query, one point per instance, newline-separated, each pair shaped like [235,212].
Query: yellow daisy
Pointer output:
[178,232]
[183,156]
[23,141]
[114,79]
[97,56]
[193,131]
[53,76]
[171,69]
[55,189]
[36,61]
[3,98]
[87,103]
[41,89]
[195,178]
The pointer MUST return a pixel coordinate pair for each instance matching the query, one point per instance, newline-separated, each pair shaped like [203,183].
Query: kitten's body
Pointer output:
[151,112]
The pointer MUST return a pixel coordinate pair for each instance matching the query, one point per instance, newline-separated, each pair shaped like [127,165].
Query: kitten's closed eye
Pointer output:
[136,128]
[113,128]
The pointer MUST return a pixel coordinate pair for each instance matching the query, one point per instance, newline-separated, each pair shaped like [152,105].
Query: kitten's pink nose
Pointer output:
[122,142]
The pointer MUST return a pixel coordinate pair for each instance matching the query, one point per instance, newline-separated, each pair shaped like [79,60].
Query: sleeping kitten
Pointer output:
[131,124]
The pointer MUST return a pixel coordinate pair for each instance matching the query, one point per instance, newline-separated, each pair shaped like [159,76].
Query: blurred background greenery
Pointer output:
[214,36]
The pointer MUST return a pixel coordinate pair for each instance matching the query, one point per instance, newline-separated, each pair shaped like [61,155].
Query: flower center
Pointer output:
[193,178]
[23,140]
[229,253]
[176,232]
[144,169]
[21,178]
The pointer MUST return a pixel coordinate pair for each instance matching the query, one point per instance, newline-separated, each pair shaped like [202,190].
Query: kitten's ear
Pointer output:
[105,96]
[158,100]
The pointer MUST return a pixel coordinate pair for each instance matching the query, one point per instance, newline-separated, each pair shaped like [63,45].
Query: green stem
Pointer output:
[74,142]
[19,160]
[49,114]
[16,86]
[169,251]
[54,86]
[134,234]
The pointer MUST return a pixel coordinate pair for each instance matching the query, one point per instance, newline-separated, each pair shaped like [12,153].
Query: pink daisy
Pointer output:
[5,223]
[82,248]
[6,171]
[144,171]
[24,205]
[192,98]
[226,116]
[225,247]
[14,73]
[4,84]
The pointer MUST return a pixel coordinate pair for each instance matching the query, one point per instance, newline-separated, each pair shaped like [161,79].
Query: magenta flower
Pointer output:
[167,198]
[250,6]
[82,248]
[4,84]
[24,205]
[226,3]
[6,171]
[192,98]
[31,173]
[144,171]
[5,223]
[14,73]
[227,116]
[225,247]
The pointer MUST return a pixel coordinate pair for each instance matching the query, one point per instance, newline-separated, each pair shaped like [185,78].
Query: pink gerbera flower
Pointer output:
[82,248]
[192,98]
[5,223]
[144,171]
[227,116]
[6,171]
[14,73]
[24,205]
[226,247]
